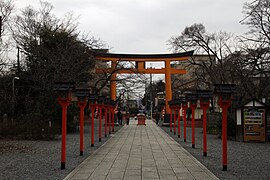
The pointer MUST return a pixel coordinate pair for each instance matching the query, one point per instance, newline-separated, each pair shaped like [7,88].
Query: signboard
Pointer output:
[254,124]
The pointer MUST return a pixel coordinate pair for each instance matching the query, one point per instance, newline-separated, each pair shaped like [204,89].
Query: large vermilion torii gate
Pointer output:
[140,60]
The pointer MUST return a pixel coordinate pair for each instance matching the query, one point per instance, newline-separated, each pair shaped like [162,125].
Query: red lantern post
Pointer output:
[64,104]
[224,92]
[64,98]
[82,95]
[174,120]
[106,107]
[93,105]
[113,119]
[184,108]
[112,111]
[109,120]
[204,106]
[193,107]
[224,104]
[110,115]
[105,121]
[204,95]
[193,104]
[179,121]
[171,107]
[177,107]
[100,108]
[100,122]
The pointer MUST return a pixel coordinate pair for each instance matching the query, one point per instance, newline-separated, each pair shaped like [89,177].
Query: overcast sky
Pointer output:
[144,26]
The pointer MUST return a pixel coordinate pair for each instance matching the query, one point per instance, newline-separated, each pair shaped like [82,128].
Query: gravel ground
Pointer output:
[245,160]
[21,159]
[41,159]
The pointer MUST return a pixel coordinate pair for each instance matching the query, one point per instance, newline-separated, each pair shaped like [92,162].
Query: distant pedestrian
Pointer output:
[119,116]
[157,112]
[189,113]
[127,118]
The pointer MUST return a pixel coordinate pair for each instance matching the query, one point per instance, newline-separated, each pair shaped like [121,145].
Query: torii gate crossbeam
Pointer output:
[140,60]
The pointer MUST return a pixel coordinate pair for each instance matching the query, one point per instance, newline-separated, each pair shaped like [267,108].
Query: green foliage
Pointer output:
[72,118]
[216,128]
[5,108]
[214,123]
[213,129]
[30,126]
[231,125]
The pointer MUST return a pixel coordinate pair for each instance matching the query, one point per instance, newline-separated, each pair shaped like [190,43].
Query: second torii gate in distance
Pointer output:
[140,60]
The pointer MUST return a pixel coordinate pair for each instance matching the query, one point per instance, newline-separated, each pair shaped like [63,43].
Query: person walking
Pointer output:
[127,118]
[119,116]
[157,112]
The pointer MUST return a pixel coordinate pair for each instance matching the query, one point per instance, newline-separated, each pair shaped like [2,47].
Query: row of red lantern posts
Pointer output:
[84,97]
[224,93]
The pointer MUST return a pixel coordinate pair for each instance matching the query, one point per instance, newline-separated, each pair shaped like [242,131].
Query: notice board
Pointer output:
[254,124]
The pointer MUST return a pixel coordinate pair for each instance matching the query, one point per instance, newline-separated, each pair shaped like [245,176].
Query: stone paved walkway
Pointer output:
[141,152]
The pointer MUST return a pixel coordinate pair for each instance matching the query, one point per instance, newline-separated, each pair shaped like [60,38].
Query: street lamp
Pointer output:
[13,93]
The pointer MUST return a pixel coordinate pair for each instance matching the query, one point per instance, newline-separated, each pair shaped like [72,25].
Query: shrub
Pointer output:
[214,124]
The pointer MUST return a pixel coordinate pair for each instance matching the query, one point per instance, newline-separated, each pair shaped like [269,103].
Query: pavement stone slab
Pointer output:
[141,152]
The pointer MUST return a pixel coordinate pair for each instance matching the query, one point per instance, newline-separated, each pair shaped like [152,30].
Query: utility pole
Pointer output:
[1,26]
[13,94]
[151,103]
[18,59]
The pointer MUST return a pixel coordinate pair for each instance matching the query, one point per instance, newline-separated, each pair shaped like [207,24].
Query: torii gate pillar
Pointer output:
[113,82]
[168,85]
